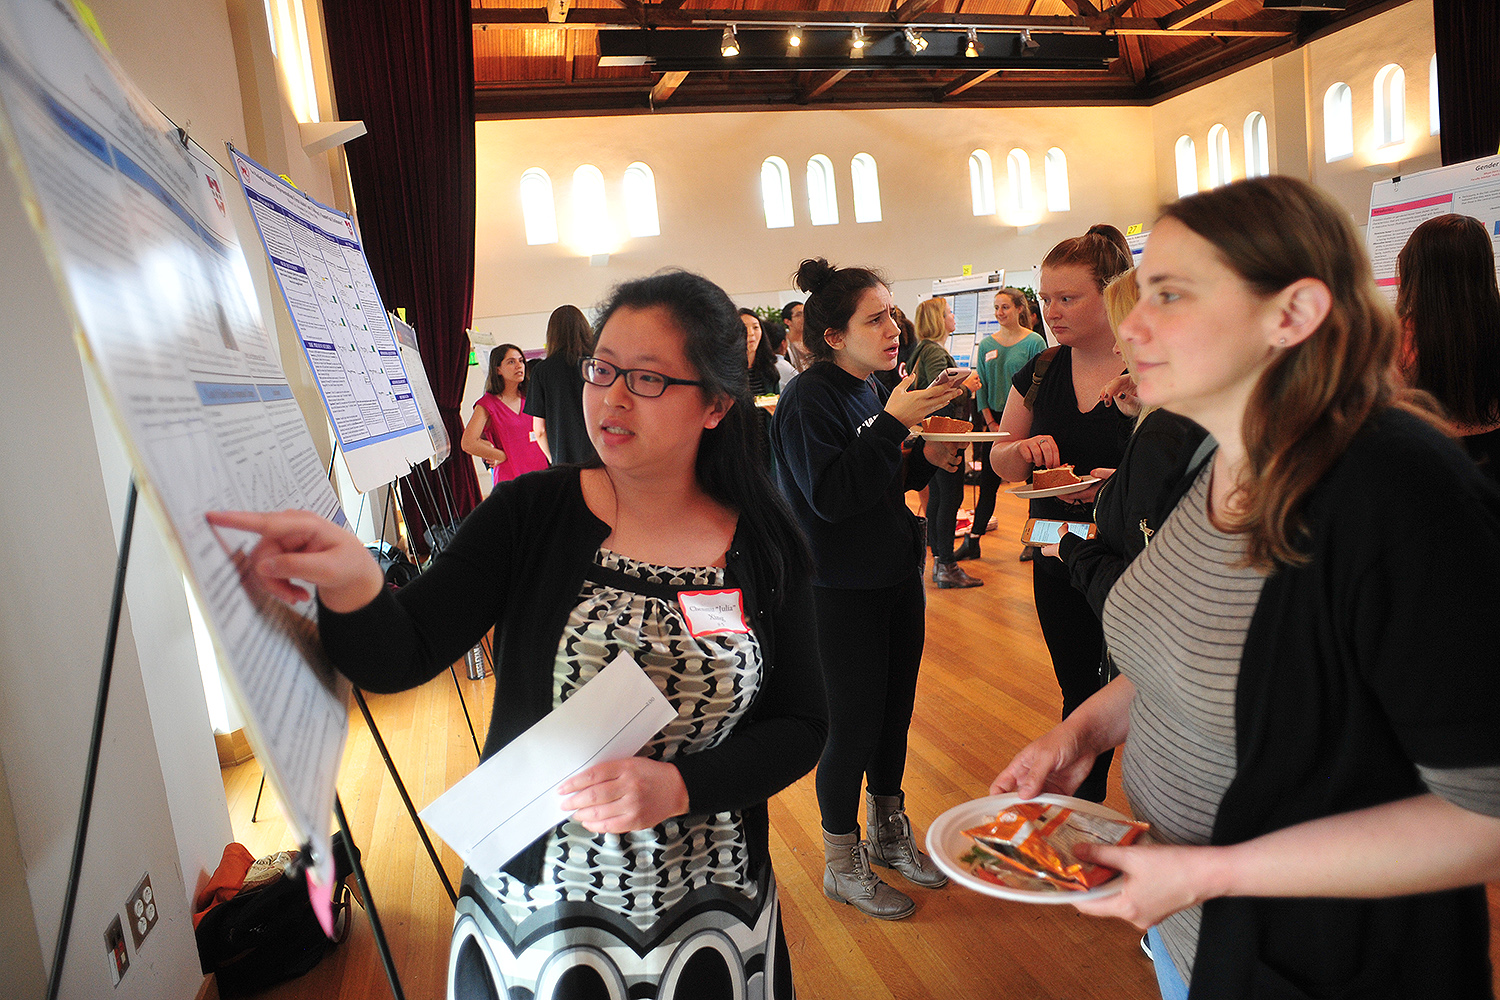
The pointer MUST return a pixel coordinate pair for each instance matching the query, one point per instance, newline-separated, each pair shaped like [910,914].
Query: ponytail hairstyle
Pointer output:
[713,339]
[833,293]
[569,334]
[1102,251]
[932,319]
[494,382]
[1314,396]
[1451,303]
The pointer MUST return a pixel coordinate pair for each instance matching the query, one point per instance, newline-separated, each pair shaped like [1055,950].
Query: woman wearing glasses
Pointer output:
[673,549]
[838,436]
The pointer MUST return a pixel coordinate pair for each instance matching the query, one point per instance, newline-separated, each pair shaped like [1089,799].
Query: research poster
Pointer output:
[133,218]
[416,373]
[330,292]
[1401,204]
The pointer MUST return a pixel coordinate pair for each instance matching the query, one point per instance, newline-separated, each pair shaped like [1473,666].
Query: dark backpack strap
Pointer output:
[1043,362]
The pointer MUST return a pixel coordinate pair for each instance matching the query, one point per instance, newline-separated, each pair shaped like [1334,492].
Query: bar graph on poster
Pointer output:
[343,327]
[1401,204]
[131,213]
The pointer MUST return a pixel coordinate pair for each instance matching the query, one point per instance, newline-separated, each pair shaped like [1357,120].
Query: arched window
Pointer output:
[866,188]
[640,201]
[590,212]
[537,207]
[1433,124]
[1218,156]
[1187,166]
[822,198]
[776,192]
[1338,123]
[1055,170]
[982,182]
[1018,173]
[1257,149]
[1390,105]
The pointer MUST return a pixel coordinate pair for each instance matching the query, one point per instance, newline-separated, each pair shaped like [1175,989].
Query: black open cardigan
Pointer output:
[518,563]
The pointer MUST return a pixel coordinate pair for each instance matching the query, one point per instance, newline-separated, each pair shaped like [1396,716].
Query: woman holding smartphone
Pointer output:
[840,450]
[573,567]
[1308,685]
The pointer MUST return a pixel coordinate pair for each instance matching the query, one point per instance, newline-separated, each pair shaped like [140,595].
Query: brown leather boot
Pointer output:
[891,842]
[949,575]
[847,878]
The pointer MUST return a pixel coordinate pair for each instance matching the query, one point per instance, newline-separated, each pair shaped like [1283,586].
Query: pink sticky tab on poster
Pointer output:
[321,897]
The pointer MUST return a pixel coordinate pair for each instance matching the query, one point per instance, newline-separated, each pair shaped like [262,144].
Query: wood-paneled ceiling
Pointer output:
[541,58]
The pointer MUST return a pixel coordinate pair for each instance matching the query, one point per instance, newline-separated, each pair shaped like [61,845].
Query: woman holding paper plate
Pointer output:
[672,549]
[1307,644]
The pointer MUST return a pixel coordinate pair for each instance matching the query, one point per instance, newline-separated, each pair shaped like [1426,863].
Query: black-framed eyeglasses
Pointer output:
[641,381]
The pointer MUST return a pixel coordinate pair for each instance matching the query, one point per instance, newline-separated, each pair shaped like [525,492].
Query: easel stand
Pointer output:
[91,773]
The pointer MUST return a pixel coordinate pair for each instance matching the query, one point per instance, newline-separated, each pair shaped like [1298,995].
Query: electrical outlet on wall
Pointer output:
[140,910]
[114,947]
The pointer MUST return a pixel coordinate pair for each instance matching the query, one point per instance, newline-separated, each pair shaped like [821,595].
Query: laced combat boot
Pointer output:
[847,878]
[891,842]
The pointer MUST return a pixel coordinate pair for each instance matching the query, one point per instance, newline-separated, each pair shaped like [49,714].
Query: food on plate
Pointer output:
[946,425]
[1035,840]
[1046,479]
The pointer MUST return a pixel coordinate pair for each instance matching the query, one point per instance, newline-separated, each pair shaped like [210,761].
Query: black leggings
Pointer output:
[871,645]
[989,489]
[945,491]
[1075,638]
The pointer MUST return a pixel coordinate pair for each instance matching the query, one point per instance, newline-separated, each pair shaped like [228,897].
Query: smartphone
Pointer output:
[1039,531]
[951,376]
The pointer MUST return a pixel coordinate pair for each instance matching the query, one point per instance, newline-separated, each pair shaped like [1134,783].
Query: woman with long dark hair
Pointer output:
[839,440]
[500,432]
[1449,306]
[670,548]
[1308,678]
[556,389]
[1054,415]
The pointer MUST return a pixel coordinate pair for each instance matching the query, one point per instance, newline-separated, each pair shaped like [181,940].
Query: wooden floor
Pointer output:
[986,690]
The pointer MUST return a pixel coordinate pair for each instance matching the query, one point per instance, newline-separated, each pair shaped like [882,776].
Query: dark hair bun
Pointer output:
[813,274]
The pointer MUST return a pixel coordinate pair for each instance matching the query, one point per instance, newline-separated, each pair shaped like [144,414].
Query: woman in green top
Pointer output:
[997,359]
[946,489]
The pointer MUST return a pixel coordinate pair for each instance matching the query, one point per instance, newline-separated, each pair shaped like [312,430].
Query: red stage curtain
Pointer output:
[1468,70]
[406,68]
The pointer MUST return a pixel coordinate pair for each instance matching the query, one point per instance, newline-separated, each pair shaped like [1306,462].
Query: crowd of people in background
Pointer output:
[1285,617]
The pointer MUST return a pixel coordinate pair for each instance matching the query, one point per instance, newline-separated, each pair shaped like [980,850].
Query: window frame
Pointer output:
[1338,113]
[981,183]
[1257,146]
[1220,166]
[1055,174]
[541,229]
[1185,152]
[781,215]
[822,209]
[864,176]
[642,215]
[1018,183]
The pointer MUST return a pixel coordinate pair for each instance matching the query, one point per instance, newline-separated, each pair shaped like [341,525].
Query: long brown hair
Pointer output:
[1450,299]
[1314,396]
[569,334]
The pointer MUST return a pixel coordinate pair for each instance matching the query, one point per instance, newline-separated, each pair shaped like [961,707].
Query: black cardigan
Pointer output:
[1153,475]
[1379,654]
[518,562]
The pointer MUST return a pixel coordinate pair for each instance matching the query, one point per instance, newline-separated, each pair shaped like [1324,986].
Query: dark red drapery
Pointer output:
[406,69]
[1468,70]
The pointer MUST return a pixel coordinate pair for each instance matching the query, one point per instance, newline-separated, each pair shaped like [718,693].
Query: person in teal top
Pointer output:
[997,359]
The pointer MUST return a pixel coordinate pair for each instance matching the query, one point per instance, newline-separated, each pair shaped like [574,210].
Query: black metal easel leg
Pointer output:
[254,813]
[411,809]
[465,705]
[381,945]
[91,774]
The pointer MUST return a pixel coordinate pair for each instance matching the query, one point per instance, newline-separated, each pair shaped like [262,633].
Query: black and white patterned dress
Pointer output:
[671,912]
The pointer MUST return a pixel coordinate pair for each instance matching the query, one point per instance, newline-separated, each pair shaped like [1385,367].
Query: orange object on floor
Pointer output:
[225,882]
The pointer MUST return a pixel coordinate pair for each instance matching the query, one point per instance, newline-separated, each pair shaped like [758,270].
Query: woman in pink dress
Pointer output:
[500,432]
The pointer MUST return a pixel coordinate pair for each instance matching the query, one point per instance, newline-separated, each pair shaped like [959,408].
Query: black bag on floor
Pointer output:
[261,937]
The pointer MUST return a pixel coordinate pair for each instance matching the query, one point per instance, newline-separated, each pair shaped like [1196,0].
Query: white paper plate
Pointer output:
[946,843]
[1026,493]
[967,436]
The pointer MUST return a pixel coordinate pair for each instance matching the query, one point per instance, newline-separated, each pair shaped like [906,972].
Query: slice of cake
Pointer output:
[946,425]
[1046,479]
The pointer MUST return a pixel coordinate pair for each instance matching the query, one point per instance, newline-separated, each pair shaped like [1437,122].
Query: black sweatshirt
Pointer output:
[841,465]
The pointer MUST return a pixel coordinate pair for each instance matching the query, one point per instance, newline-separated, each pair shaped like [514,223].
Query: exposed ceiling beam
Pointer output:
[1082,8]
[666,87]
[1192,12]
[820,83]
[972,80]
[670,4]
[659,15]
[1133,53]
[910,9]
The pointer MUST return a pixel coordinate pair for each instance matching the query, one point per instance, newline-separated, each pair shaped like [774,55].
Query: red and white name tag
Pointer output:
[711,611]
[992,355]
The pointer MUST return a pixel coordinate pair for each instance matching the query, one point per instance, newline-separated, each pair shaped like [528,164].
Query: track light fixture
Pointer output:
[914,42]
[729,45]
[1028,44]
[858,41]
[974,48]
[794,37]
